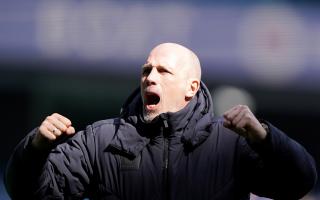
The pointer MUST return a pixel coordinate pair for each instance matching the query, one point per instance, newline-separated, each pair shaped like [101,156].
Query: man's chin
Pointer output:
[148,116]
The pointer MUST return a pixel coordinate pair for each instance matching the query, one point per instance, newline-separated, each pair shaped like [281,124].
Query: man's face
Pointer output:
[163,84]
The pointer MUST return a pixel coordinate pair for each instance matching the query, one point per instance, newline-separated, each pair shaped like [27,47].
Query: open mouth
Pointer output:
[151,100]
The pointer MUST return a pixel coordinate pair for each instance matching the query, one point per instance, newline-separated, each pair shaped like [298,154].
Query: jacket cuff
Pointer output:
[267,146]
[30,153]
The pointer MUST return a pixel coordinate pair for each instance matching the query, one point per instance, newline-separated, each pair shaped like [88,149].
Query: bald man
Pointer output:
[166,144]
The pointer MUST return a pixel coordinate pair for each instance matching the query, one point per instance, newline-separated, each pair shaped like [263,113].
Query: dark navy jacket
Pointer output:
[184,155]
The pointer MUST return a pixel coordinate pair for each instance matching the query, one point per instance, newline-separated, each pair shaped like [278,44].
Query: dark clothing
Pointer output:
[184,155]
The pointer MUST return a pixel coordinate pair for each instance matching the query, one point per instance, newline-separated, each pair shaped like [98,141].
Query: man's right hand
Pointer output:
[52,128]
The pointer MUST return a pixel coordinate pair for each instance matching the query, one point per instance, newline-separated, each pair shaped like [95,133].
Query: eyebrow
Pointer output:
[148,65]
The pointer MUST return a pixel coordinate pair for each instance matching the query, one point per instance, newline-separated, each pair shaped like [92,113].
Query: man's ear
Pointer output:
[192,88]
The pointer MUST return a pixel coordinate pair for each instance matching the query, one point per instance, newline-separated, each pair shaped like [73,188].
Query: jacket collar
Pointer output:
[194,121]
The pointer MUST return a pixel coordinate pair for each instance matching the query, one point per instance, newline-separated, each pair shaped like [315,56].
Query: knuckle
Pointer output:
[42,124]
[244,107]
[247,116]
[50,118]
[41,129]
[55,116]
[68,122]
[45,123]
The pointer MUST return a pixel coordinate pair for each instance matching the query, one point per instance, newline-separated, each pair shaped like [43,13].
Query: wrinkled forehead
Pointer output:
[167,57]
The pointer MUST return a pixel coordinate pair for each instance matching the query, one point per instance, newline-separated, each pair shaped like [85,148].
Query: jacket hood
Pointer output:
[194,121]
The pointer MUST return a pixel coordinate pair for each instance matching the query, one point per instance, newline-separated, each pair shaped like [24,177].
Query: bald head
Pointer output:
[186,59]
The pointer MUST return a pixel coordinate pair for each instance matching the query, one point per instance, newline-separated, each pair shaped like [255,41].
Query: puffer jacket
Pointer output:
[184,155]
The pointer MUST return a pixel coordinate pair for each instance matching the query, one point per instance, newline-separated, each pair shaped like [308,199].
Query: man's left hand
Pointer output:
[241,120]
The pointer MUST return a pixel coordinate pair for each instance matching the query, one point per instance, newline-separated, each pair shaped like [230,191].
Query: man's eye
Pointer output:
[146,71]
[163,71]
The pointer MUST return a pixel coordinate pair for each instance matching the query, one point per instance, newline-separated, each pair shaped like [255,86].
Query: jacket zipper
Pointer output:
[165,160]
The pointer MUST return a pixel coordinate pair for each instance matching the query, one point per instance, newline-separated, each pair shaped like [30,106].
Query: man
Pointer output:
[166,144]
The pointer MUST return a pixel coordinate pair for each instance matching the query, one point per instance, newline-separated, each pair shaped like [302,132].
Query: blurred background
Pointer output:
[83,58]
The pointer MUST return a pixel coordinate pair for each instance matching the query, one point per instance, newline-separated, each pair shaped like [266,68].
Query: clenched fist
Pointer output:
[241,120]
[52,128]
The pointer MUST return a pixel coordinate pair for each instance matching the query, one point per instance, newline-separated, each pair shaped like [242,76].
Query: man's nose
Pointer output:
[152,77]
